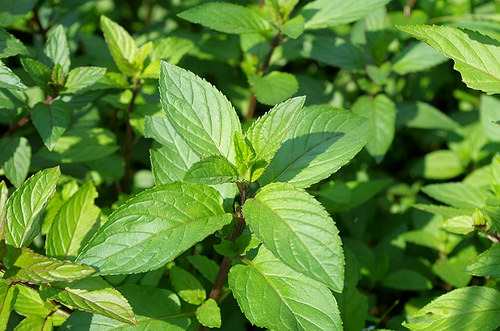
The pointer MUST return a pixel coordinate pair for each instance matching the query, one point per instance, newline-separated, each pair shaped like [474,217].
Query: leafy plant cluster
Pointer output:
[277,164]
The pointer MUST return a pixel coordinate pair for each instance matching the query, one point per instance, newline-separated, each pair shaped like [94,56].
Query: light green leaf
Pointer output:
[473,307]
[208,314]
[407,280]
[310,245]
[155,309]
[39,72]
[212,170]
[271,295]
[268,132]
[463,224]
[29,303]
[494,175]
[170,49]
[459,195]
[15,159]
[381,114]
[82,77]
[208,268]
[187,286]
[293,27]
[154,227]
[25,265]
[93,295]
[476,56]
[417,57]
[140,56]
[82,145]
[121,45]
[4,195]
[51,121]
[445,211]
[421,115]
[226,17]
[487,263]
[170,162]
[323,139]
[275,87]
[8,294]
[12,11]
[321,14]
[440,164]
[57,48]
[72,224]
[489,111]
[198,112]
[32,323]
[8,79]
[451,269]
[10,45]
[26,204]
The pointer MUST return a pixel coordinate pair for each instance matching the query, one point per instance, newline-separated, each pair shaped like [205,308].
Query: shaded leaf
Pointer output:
[8,79]
[51,121]
[10,45]
[15,158]
[187,286]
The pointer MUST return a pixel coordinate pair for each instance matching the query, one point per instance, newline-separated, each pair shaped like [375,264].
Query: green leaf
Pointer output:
[198,112]
[170,162]
[226,17]
[465,308]
[459,195]
[155,309]
[31,323]
[323,139]
[273,296]
[208,314]
[26,204]
[489,112]
[187,286]
[39,72]
[29,303]
[10,45]
[212,170]
[57,48]
[25,265]
[154,227]
[451,269]
[421,115]
[487,263]
[4,195]
[275,87]
[51,121]
[93,295]
[321,14]
[445,211]
[170,49]
[440,164]
[475,55]
[494,175]
[417,57]
[140,56]
[208,268]
[12,11]
[381,114]
[293,27]
[8,79]
[8,294]
[15,158]
[329,50]
[72,224]
[82,77]
[121,45]
[309,245]
[82,145]
[406,280]
[462,224]
[268,132]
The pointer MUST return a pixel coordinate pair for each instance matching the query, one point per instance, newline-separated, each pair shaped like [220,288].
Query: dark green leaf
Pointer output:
[275,87]
[487,263]
[208,268]
[187,286]
[12,11]
[10,45]
[8,294]
[51,121]
[226,17]
[15,158]
[39,72]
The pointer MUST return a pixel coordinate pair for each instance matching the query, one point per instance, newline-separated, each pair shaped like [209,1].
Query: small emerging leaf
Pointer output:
[208,314]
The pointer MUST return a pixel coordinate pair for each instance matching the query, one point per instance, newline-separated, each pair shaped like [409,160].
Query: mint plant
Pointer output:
[288,165]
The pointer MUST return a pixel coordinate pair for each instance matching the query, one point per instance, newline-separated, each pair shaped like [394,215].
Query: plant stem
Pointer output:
[225,265]
[129,143]
[265,66]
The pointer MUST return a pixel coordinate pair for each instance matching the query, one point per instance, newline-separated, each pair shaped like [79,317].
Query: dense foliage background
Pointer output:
[403,247]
